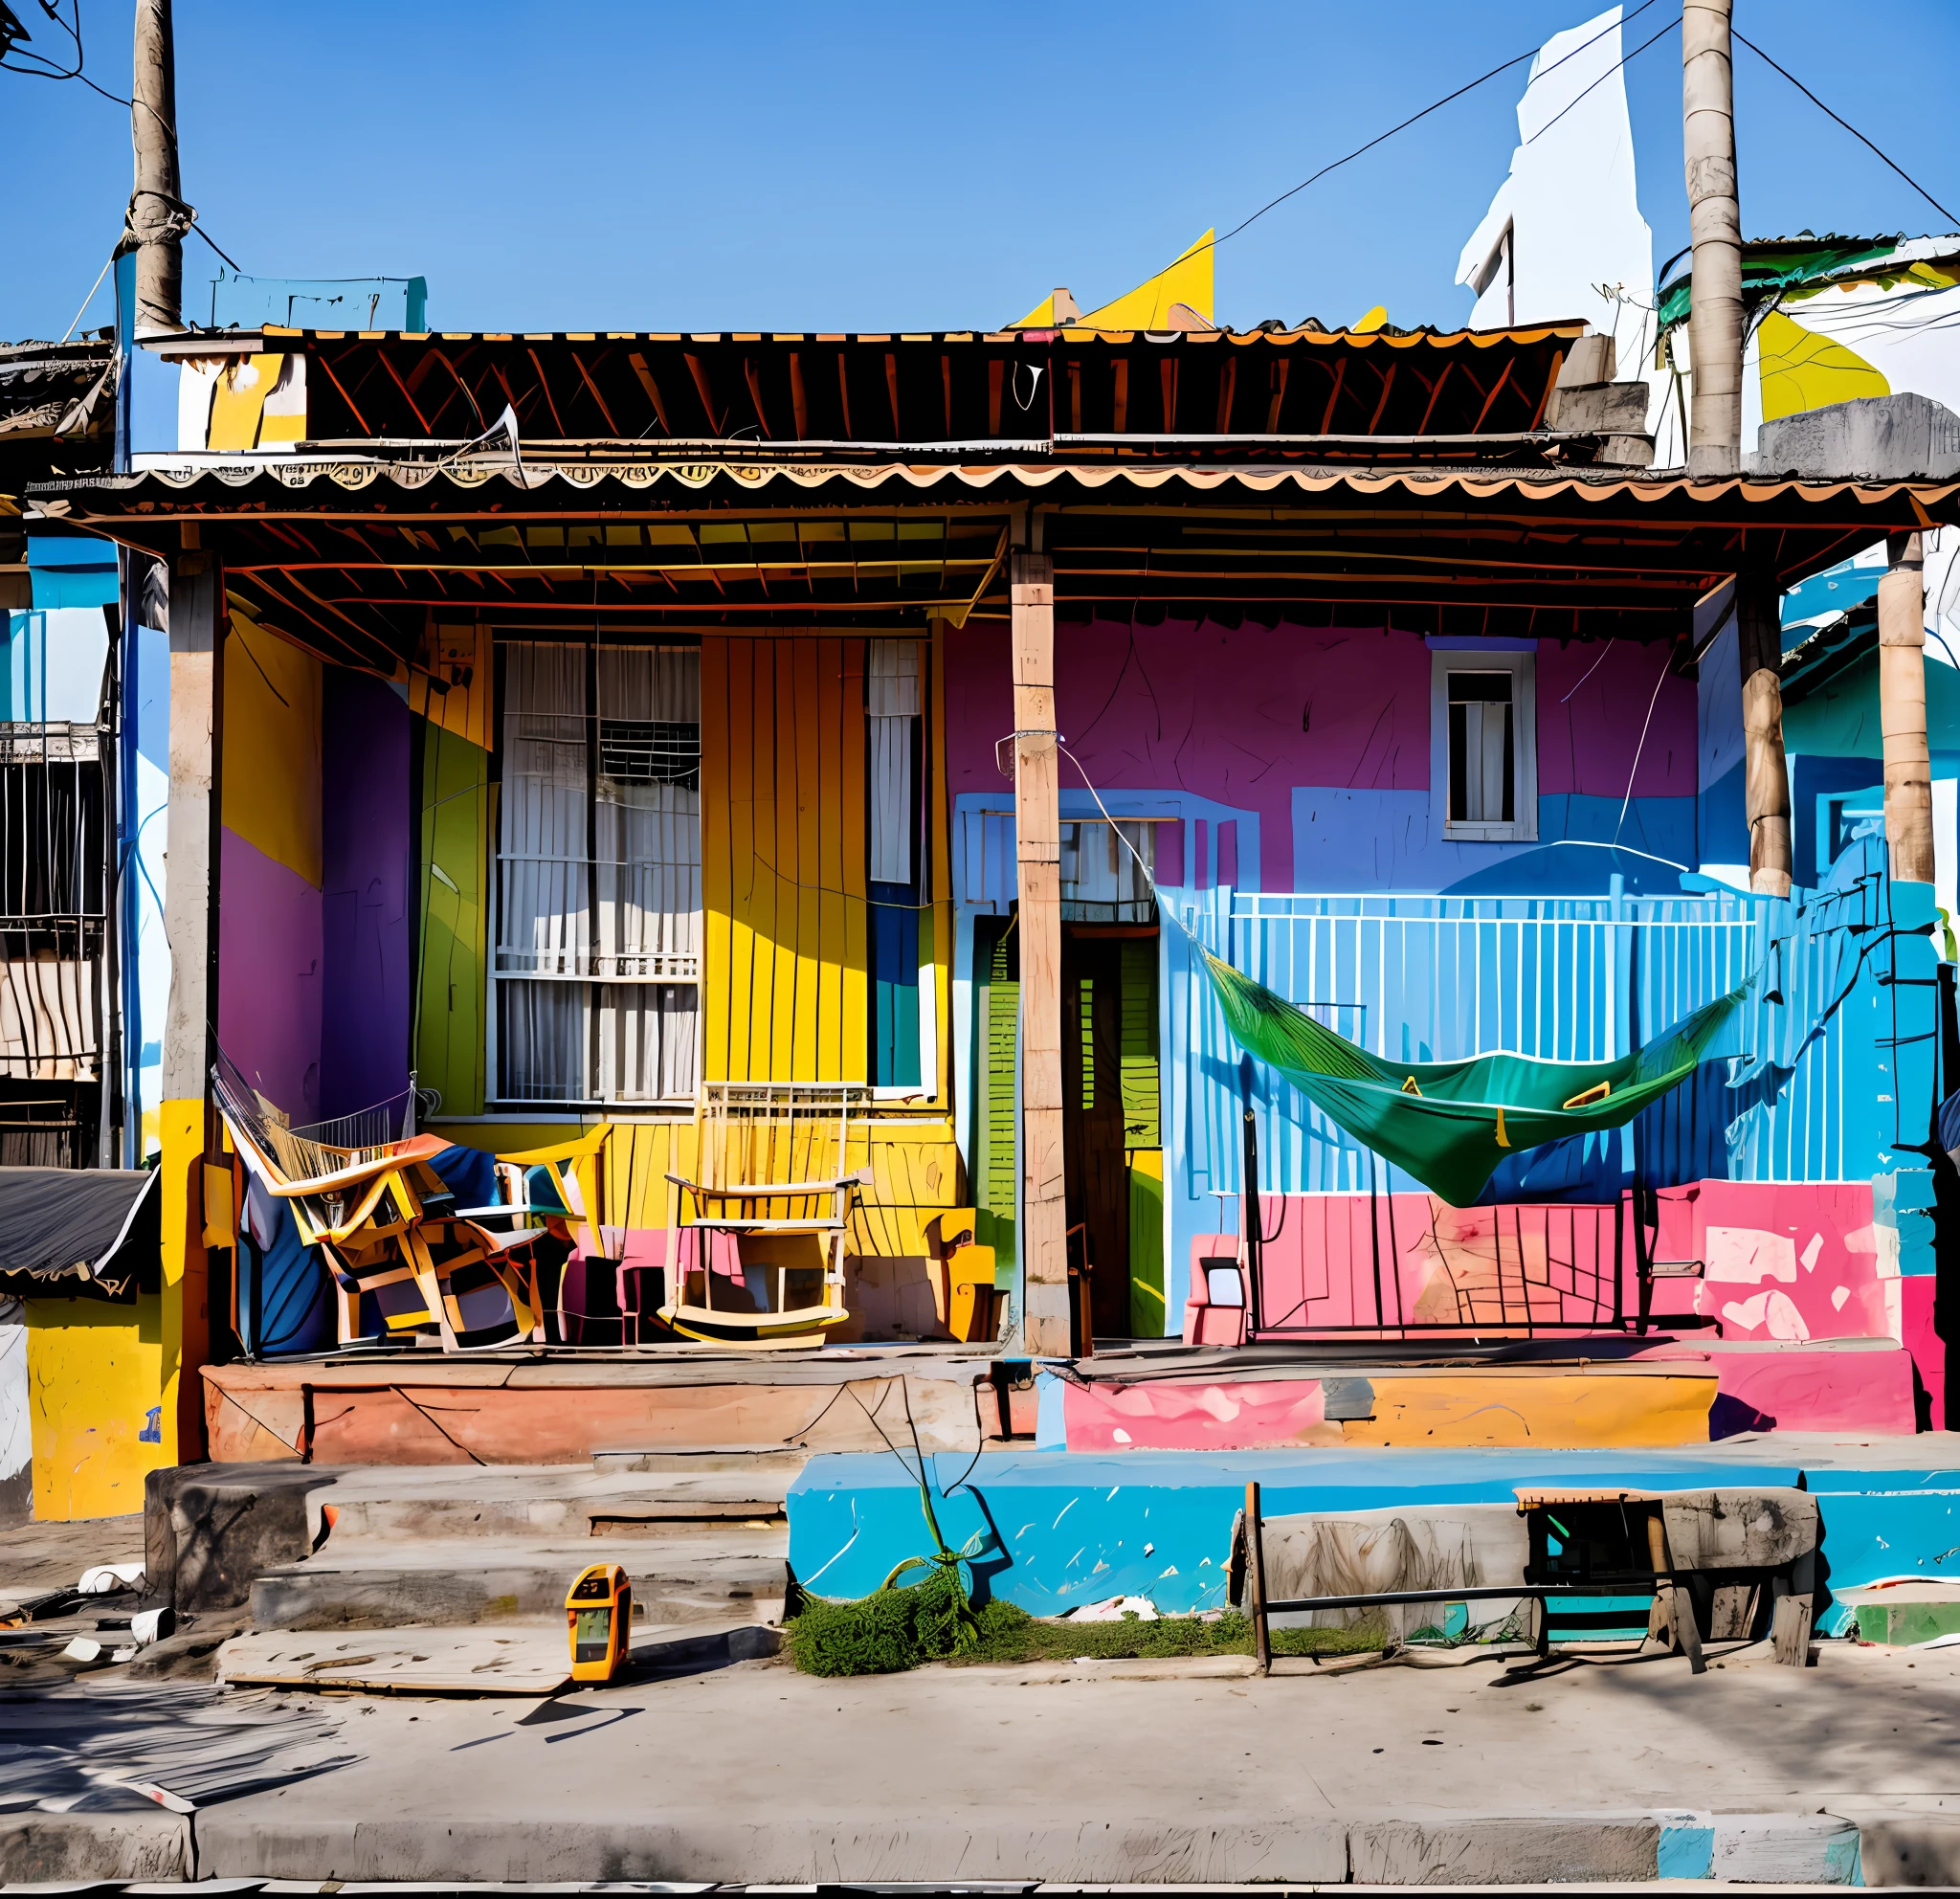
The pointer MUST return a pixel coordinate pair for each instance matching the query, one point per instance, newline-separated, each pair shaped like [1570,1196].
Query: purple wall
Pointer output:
[269,976]
[364,853]
[1245,716]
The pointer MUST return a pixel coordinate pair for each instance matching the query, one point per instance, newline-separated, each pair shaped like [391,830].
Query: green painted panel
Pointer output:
[1141,1126]
[452,898]
[1146,1313]
[997,983]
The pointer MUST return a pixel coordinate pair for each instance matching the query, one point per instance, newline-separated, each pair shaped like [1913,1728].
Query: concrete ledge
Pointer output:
[37,1849]
[1910,1849]
[1224,1850]
[246,1841]
[1477,1850]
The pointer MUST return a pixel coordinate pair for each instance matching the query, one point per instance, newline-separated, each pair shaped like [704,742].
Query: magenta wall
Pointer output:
[269,987]
[1245,716]
[366,811]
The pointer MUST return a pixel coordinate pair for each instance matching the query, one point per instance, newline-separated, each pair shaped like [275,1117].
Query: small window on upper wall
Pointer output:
[1485,719]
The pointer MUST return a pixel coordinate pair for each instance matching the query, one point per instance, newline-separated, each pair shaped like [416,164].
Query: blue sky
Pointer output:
[585,164]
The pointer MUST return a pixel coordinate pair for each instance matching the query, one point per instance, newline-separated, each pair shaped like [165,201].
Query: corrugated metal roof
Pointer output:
[278,337]
[585,477]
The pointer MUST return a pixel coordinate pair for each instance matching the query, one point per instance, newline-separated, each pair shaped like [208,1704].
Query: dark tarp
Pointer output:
[96,1231]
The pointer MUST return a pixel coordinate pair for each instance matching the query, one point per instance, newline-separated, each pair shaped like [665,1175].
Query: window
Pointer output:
[1107,870]
[894,706]
[599,922]
[1487,758]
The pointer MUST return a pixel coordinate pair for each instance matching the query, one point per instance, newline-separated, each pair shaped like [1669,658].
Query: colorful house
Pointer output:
[580,740]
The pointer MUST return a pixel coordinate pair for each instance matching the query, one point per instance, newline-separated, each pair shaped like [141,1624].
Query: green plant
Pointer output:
[889,1630]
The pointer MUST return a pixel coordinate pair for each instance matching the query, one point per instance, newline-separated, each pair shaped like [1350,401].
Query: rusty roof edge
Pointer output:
[183,343]
[352,473]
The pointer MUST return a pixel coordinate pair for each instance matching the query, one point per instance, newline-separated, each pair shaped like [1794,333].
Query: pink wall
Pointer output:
[269,990]
[1244,716]
[1781,1260]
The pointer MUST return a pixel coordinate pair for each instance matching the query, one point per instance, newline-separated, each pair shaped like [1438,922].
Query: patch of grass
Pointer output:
[881,1634]
[1010,1634]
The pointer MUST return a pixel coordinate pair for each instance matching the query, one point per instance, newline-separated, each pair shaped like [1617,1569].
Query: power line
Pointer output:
[1849,127]
[1382,138]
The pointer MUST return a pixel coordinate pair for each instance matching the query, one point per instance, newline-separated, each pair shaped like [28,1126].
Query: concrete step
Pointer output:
[719,1458]
[546,1501]
[380,1582]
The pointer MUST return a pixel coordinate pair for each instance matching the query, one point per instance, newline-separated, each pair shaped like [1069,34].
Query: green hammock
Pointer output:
[1450,1122]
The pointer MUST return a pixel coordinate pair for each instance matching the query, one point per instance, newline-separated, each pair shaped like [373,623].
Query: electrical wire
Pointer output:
[1848,126]
[1382,138]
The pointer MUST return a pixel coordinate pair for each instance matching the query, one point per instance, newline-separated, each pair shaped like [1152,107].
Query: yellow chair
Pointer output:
[773,1170]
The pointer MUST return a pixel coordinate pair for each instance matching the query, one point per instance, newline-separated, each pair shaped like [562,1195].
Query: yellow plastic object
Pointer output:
[598,1622]
[963,1293]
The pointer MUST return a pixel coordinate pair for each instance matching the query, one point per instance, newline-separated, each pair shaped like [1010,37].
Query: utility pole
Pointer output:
[1715,318]
[157,216]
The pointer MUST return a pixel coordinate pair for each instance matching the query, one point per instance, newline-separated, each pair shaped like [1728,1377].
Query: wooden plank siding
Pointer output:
[783,840]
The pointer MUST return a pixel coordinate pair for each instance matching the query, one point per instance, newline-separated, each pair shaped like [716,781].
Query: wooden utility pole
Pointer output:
[1902,712]
[1766,772]
[157,216]
[1037,841]
[1715,318]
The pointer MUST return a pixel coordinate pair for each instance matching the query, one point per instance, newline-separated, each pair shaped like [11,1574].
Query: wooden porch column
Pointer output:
[1765,775]
[190,927]
[190,882]
[1037,841]
[1902,712]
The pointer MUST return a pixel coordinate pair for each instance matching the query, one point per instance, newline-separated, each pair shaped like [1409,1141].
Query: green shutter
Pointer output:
[1146,1315]
[1140,1097]
[996,1163]
[453,961]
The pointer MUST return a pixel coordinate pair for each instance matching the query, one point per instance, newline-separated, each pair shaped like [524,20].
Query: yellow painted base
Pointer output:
[1537,1410]
[96,1397]
[107,1398]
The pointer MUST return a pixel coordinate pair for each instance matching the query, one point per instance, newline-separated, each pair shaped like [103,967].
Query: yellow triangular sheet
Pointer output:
[1186,280]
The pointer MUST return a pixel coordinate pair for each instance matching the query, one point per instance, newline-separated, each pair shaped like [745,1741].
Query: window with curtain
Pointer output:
[598,923]
[893,758]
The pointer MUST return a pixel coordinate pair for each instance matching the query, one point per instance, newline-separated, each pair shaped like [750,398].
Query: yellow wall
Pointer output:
[95,1387]
[271,783]
[114,1391]
[783,868]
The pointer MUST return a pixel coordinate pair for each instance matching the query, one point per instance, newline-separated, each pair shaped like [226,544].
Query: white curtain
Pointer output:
[543,1038]
[543,923]
[649,824]
[892,706]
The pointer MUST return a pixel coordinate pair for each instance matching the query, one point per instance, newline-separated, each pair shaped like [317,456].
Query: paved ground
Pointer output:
[39,1557]
[756,1773]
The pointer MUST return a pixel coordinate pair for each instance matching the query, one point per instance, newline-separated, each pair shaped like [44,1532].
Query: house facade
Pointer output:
[565,728]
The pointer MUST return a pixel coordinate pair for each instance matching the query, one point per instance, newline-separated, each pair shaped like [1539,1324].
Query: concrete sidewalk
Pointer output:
[1626,1772]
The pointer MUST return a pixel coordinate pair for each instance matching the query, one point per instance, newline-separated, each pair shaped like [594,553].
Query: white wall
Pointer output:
[17,1444]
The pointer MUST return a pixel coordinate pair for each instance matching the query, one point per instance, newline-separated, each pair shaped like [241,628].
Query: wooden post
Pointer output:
[1790,1631]
[156,216]
[1715,318]
[1255,1583]
[198,617]
[191,885]
[1902,712]
[1766,772]
[1037,841]
[1676,1605]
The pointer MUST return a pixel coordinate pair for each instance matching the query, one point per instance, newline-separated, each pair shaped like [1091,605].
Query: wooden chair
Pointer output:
[402,1259]
[964,1298]
[772,1173]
